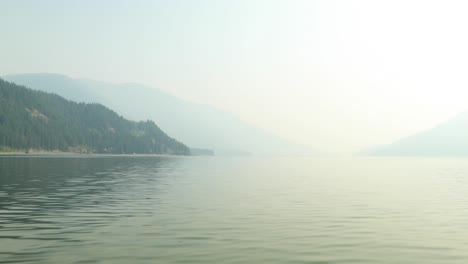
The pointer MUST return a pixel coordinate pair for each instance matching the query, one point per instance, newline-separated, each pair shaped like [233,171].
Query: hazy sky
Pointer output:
[339,75]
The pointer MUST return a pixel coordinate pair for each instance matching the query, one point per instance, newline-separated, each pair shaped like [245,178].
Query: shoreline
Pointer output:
[73,154]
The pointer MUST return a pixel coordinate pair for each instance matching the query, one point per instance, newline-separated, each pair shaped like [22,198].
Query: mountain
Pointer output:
[197,125]
[32,119]
[447,139]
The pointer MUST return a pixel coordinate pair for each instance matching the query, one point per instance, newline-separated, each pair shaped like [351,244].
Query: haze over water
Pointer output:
[258,84]
[337,76]
[233,210]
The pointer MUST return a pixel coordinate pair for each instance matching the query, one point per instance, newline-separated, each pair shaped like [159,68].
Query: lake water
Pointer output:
[233,210]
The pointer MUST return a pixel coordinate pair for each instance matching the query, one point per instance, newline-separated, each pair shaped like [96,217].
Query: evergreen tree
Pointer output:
[39,120]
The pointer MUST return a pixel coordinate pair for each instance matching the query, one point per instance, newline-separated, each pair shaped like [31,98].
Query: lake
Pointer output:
[98,209]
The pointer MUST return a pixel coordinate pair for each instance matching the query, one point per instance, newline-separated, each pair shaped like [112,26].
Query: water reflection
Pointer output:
[52,198]
[232,210]
[75,181]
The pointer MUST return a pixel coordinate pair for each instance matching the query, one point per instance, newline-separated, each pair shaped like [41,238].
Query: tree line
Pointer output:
[31,119]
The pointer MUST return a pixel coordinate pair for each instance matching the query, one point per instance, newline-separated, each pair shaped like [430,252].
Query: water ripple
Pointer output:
[232,210]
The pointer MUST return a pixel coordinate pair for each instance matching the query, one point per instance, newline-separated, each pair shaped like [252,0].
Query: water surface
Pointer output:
[233,210]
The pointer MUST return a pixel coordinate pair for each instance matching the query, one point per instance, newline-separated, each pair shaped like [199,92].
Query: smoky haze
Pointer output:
[338,76]
[199,126]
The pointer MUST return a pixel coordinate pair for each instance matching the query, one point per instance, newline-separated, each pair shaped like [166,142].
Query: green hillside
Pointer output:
[31,119]
[199,126]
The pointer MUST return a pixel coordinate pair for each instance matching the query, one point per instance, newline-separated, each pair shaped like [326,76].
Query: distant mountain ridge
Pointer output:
[198,126]
[31,119]
[447,139]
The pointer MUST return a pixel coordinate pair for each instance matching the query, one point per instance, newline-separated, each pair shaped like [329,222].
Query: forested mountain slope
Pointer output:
[198,125]
[31,119]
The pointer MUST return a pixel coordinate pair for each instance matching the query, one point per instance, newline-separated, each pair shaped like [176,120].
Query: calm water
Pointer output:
[233,210]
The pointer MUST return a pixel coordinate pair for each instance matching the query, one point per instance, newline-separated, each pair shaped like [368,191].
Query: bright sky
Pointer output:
[338,75]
